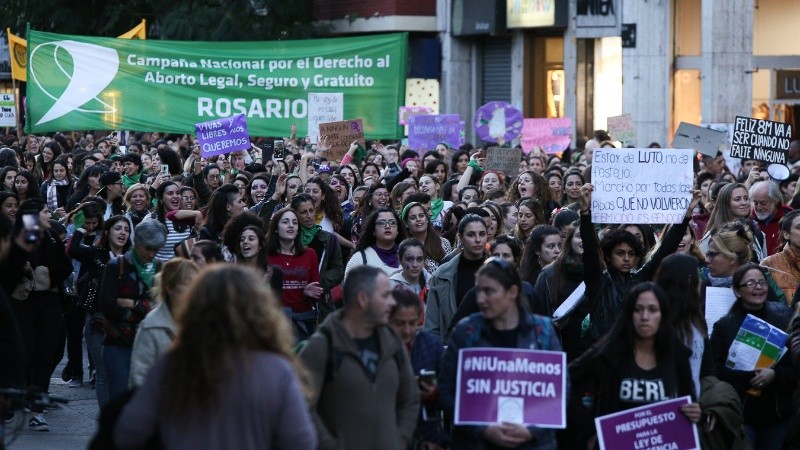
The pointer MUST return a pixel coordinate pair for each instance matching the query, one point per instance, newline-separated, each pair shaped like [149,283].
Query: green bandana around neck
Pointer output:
[436,207]
[146,271]
[307,234]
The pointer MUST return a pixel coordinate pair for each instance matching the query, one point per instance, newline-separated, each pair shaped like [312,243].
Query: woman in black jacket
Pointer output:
[639,362]
[40,315]
[765,392]
[94,255]
[621,251]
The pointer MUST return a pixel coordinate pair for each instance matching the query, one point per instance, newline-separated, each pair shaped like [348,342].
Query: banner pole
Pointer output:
[16,107]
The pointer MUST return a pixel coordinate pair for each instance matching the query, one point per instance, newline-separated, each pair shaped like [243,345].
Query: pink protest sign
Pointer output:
[551,135]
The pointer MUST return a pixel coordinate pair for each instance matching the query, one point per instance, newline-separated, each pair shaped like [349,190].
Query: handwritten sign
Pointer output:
[220,136]
[407,111]
[340,135]
[503,159]
[552,135]
[622,128]
[641,185]
[762,140]
[8,111]
[496,120]
[511,385]
[702,139]
[425,131]
[323,108]
[658,425]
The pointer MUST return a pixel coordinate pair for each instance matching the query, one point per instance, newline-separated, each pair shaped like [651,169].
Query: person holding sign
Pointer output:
[502,322]
[620,249]
[639,362]
[764,391]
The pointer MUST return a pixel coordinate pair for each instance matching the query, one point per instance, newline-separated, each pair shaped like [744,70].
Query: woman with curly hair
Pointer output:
[378,244]
[532,185]
[231,379]
[326,204]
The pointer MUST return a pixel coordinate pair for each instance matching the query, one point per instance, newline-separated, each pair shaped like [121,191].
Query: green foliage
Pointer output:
[194,20]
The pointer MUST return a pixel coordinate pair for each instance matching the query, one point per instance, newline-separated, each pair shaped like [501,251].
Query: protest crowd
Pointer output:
[278,297]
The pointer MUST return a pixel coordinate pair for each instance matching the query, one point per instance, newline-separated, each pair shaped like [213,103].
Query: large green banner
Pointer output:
[91,83]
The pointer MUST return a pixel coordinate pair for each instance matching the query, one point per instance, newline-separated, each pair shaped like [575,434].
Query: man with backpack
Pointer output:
[365,394]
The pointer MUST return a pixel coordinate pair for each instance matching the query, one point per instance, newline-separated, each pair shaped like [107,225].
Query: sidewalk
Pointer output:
[72,425]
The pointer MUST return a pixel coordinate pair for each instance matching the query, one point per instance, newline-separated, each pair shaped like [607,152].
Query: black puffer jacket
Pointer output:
[775,401]
[605,290]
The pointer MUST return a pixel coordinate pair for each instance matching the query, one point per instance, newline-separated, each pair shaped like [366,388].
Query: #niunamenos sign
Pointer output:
[79,82]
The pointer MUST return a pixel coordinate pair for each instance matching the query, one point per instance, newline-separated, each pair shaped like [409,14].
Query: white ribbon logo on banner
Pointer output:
[94,67]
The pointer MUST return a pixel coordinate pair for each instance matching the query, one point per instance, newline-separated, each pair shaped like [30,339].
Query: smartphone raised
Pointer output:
[165,170]
[30,222]
[279,150]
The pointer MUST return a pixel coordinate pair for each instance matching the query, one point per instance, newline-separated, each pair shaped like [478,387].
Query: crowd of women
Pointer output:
[144,248]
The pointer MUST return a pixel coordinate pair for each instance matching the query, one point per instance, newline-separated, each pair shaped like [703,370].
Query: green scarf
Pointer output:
[146,271]
[436,208]
[129,181]
[307,234]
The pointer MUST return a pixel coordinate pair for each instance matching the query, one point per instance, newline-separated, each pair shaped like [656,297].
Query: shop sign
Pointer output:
[530,13]
[787,85]
[597,18]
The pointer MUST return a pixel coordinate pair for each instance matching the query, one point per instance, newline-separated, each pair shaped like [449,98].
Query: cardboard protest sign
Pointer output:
[702,139]
[425,131]
[8,111]
[622,128]
[503,159]
[340,135]
[407,111]
[757,344]
[552,135]
[734,164]
[511,385]
[323,108]
[496,120]
[217,137]
[641,185]
[762,140]
[658,425]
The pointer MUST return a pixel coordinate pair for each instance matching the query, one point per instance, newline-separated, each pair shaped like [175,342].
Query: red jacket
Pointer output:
[772,229]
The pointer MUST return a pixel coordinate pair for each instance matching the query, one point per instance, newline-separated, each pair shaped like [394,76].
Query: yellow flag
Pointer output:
[17,48]
[137,32]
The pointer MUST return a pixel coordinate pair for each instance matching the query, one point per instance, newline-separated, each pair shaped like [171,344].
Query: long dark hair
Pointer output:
[330,203]
[620,339]
[107,226]
[679,277]
[368,239]
[433,242]
[562,264]
[33,187]
[160,212]
[274,242]
[529,266]
[217,214]
[261,259]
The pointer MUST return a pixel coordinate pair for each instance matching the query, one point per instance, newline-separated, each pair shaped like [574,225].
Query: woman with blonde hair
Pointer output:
[157,330]
[231,379]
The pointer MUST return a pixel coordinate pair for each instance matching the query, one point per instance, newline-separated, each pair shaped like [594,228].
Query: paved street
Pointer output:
[71,425]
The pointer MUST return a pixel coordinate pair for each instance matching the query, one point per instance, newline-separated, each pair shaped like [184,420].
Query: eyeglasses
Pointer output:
[753,283]
[386,223]
[214,177]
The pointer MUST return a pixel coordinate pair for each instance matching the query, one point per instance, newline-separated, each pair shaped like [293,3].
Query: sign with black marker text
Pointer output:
[762,140]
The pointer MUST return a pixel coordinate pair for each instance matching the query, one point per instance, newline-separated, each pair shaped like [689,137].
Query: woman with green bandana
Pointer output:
[125,300]
[429,184]
[329,253]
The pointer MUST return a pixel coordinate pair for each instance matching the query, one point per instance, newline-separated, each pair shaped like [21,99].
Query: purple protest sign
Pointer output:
[511,385]
[659,425]
[552,135]
[220,136]
[425,131]
[496,120]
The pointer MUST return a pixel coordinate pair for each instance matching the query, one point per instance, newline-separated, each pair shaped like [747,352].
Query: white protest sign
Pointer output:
[570,303]
[641,185]
[323,108]
[622,128]
[718,302]
[704,140]
[8,111]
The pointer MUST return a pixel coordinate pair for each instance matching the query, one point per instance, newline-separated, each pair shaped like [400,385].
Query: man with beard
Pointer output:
[768,210]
